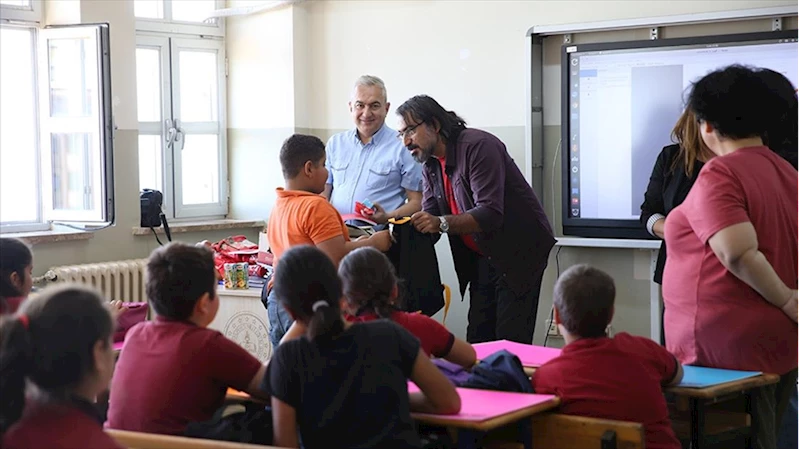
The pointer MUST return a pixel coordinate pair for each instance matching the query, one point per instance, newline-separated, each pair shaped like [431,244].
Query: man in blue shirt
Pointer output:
[370,162]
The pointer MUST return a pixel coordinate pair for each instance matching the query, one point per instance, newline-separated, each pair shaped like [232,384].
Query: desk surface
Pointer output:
[251,292]
[523,405]
[727,388]
[480,411]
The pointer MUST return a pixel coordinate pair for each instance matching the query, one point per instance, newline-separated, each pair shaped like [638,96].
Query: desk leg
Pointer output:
[655,316]
[697,407]
[751,437]
[467,438]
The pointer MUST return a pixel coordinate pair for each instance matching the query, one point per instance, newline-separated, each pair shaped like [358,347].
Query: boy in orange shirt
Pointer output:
[302,216]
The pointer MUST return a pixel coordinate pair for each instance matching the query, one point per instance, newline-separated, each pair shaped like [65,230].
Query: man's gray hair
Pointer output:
[368,81]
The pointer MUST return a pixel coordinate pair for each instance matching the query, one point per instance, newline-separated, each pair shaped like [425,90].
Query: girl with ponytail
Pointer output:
[59,344]
[371,289]
[341,382]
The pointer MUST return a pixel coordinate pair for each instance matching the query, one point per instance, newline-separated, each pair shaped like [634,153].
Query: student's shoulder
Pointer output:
[636,345]
[379,330]
[471,137]
[415,320]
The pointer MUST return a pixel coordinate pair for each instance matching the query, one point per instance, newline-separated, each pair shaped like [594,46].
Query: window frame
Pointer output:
[160,129]
[206,210]
[169,46]
[31,15]
[105,201]
[174,27]
[39,224]
[99,125]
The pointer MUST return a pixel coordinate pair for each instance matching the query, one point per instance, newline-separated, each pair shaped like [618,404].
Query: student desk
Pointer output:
[485,410]
[531,356]
[697,399]
[234,395]
[481,410]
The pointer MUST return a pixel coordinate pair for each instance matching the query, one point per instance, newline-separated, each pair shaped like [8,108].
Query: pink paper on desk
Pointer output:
[529,355]
[482,405]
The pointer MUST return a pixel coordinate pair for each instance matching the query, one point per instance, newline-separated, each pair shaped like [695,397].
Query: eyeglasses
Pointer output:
[409,131]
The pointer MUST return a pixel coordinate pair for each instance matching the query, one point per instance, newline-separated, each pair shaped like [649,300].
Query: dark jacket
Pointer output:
[414,259]
[668,187]
[515,233]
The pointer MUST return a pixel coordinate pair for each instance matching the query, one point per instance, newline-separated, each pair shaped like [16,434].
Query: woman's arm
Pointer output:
[653,210]
[438,395]
[284,423]
[736,247]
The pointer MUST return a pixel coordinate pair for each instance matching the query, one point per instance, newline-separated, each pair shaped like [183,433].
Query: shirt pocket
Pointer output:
[381,176]
[339,171]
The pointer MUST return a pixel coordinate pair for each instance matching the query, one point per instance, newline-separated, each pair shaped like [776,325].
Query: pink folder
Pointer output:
[529,355]
[482,405]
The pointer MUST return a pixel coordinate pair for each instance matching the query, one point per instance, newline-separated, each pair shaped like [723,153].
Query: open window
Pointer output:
[55,93]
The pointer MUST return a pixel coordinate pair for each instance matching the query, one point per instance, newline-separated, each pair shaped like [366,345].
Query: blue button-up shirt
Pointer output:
[380,171]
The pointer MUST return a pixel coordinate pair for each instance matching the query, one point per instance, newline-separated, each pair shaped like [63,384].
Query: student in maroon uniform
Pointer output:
[16,280]
[59,342]
[174,370]
[370,287]
[614,378]
[341,384]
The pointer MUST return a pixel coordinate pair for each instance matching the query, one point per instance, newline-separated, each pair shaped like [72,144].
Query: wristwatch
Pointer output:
[444,228]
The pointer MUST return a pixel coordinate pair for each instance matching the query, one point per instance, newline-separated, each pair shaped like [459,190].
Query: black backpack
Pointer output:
[253,425]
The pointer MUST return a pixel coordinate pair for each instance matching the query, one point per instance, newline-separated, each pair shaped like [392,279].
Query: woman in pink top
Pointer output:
[16,280]
[730,279]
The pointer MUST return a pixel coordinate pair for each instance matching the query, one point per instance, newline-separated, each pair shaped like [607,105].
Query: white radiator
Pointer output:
[122,280]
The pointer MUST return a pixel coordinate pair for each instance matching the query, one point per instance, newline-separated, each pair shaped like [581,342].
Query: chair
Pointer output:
[141,440]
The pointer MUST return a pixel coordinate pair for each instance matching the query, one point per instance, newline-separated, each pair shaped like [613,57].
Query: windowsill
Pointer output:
[180,227]
[57,234]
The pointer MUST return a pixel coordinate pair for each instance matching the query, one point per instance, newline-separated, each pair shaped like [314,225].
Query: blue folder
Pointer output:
[700,377]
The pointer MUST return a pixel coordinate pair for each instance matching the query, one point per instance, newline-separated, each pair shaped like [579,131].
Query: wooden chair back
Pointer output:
[140,440]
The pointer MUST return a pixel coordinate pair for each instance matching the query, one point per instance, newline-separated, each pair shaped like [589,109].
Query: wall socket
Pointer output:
[552,329]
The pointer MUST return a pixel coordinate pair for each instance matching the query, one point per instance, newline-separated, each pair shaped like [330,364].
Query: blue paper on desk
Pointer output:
[701,377]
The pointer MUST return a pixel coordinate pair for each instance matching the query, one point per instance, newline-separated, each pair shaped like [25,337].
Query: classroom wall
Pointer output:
[470,55]
[291,70]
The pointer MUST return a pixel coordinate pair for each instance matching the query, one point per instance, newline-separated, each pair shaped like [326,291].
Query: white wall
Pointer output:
[469,55]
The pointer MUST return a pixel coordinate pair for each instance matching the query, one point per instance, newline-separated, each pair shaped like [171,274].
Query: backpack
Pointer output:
[253,425]
[501,371]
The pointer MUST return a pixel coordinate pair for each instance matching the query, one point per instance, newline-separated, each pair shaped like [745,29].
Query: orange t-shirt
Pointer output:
[302,218]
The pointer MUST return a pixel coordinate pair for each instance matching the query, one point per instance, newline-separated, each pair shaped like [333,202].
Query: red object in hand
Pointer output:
[361,209]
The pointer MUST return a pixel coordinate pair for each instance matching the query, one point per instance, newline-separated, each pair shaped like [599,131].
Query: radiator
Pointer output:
[122,280]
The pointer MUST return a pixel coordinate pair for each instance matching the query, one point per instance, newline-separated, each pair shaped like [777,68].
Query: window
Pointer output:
[181,111]
[179,16]
[57,163]
[21,10]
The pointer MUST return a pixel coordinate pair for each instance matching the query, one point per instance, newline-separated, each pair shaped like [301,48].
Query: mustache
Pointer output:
[412,147]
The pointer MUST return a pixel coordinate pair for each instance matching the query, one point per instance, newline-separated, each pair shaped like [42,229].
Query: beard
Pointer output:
[421,155]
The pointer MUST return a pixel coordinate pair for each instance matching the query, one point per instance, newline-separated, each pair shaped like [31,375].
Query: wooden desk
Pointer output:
[543,403]
[470,398]
[696,400]
[234,395]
